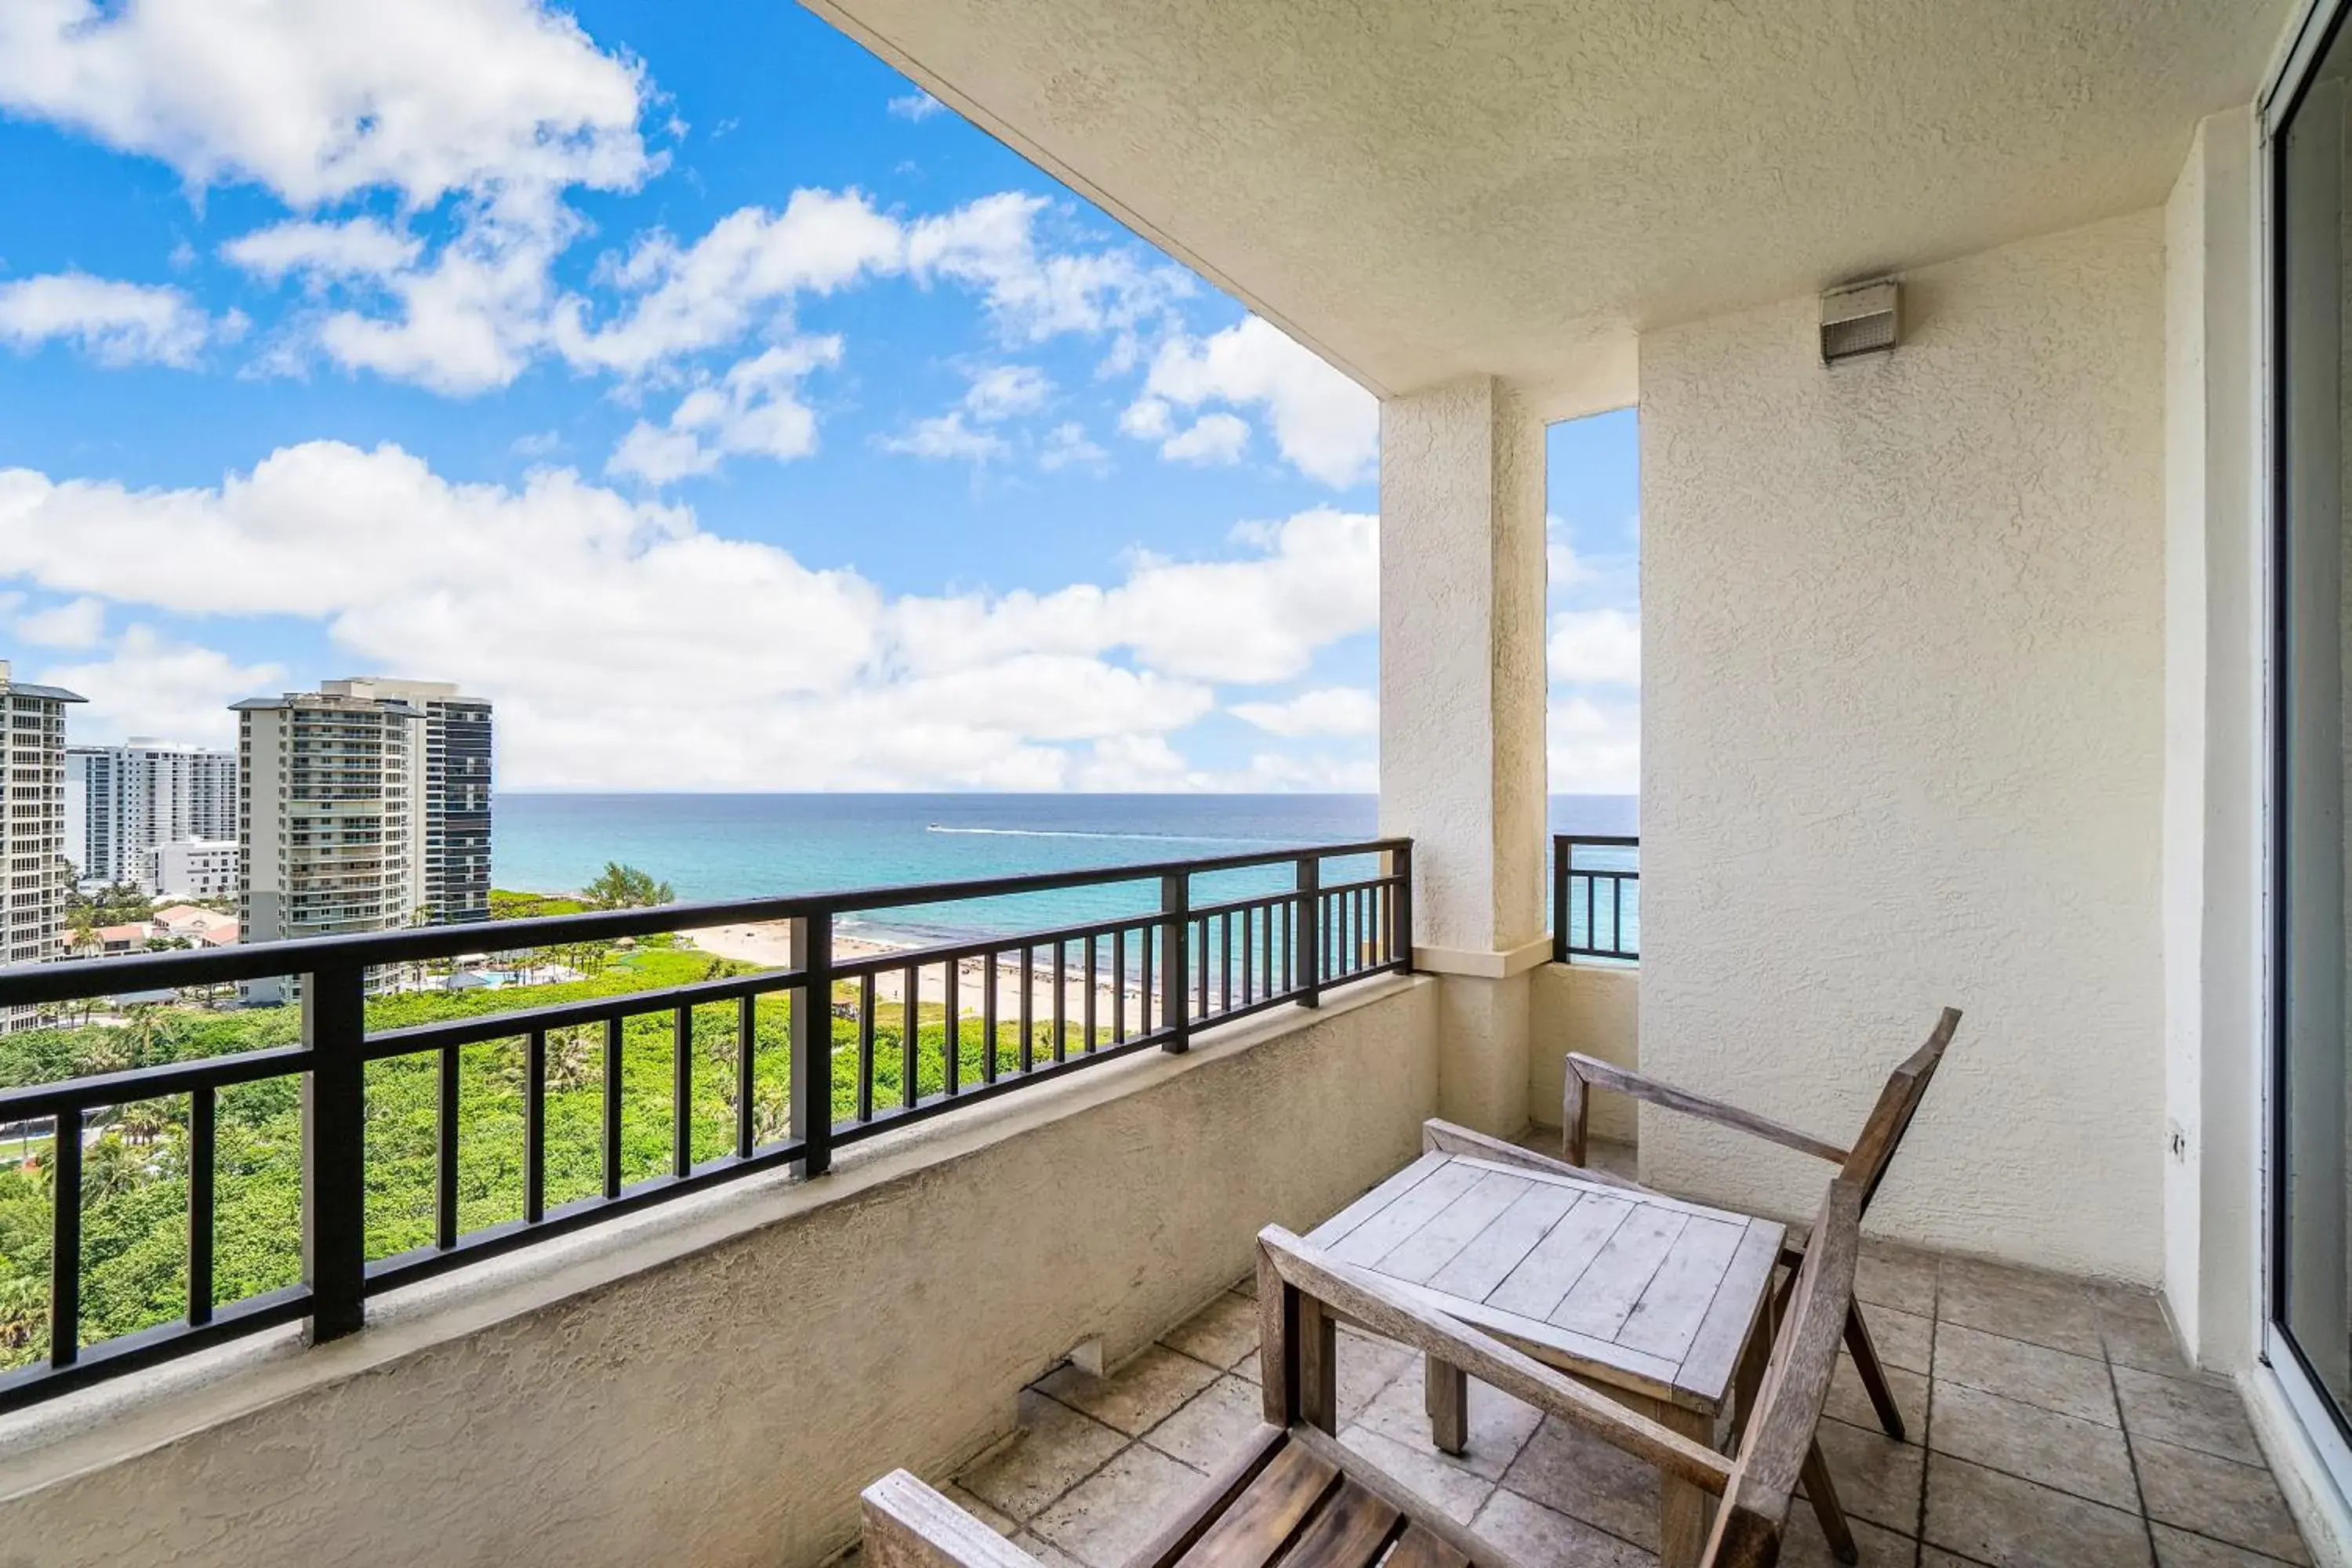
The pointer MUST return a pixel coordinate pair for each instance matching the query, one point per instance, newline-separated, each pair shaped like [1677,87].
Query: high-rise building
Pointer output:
[123,802]
[456,789]
[33,830]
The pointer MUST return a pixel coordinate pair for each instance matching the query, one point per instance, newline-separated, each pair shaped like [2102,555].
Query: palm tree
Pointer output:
[109,1169]
[24,1315]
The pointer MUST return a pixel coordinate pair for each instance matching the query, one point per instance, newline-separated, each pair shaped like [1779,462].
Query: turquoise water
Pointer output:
[753,846]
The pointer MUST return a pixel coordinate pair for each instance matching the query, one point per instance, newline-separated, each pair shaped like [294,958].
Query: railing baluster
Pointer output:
[1061,996]
[1310,929]
[951,1034]
[866,1047]
[202,1111]
[1118,984]
[681,1151]
[1176,922]
[747,1039]
[910,1053]
[1028,1006]
[1093,985]
[813,1045]
[534,1127]
[612,1110]
[445,1150]
[65,1239]
[1400,866]
[987,1017]
[334,1169]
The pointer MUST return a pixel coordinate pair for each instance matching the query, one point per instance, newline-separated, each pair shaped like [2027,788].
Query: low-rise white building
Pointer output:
[193,869]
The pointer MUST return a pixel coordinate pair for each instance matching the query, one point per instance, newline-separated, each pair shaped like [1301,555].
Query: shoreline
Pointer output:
[767,944]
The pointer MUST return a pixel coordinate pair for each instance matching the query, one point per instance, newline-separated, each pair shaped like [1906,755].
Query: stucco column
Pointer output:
[1462,720]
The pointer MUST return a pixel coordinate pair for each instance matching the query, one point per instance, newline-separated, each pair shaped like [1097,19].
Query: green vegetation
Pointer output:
[135,1181]
[507,905]
[619,887]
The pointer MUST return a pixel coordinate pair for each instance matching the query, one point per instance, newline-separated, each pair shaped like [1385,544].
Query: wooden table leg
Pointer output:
[1684,1509]
[1446,1395]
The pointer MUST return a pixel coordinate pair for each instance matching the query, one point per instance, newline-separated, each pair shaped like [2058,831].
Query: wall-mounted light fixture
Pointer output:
[1861,320]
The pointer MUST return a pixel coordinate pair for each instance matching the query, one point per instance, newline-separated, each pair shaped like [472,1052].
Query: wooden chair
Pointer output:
[1293,1494]
[1864,1165]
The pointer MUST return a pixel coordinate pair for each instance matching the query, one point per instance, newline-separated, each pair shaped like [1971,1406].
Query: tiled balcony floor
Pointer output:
[2053,1424]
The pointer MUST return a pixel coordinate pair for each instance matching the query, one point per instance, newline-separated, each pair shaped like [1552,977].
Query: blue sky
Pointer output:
[726,410]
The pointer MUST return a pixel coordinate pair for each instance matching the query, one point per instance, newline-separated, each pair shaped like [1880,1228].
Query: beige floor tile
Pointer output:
[1806,1547]
[1105,1518]
[1572,1471]
[1500,1424]
[1220,1333]
[2128,1302]
[1904,1339]
[2062,1451]
[1456,1491]
[1878,1479]
[1212,1425]
[979,1509]
[2203,1416]
[2149,1346]
[2179,1549]
[1896,1278]
[1045,1551]
[1849,1400]
[1136,1397]
[1936,1557]
[2071,1384]
[1536,1537]
[1366,1366]
[2011,1523]
[1054,1449]
[2218,1497]
[1247,1286]
[2019,1305]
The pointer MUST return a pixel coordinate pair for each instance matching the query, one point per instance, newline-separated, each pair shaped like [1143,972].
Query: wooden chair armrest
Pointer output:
[909,1525]
[1583,1070]
[1444,1137]
[1365,1300]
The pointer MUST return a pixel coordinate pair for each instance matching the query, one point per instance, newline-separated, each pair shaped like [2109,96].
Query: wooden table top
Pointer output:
[1641,1291]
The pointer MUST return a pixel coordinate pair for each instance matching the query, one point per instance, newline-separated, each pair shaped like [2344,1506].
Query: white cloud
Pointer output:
[991,243]
[753,409]
[1328,710]
[319,100]
[916,105]
[1067,446]
[1002,391]
[1594,748]
[1148,420]
[354,247]
[1562,566]
[1595,645]
[947,437]
[77,623]
[586,614]
[537,444]
[473,319]
[115,323]
[1213,439]
[148,685]
[692,297]
[1325,425]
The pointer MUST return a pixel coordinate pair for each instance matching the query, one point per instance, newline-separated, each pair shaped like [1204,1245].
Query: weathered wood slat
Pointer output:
[1714,1356]
[1441,1240]
[1347,1533]
[909,1525]
[1470,1546]
[1176,1537]
[1670,1312]
[1594,1181]
[1262,1521]
[1475,1270]
[1329,1233]
[1606,1075]
[1371,1241]
[1418,1547]
[1552,1269]
[1579,1354]
[1601,1302]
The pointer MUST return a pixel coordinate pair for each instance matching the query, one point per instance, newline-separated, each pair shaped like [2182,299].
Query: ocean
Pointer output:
[753,846]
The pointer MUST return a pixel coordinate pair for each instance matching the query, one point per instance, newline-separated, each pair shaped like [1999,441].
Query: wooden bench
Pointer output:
[1292,1494]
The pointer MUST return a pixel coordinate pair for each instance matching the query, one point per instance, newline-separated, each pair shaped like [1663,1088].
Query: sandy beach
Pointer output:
[769,945]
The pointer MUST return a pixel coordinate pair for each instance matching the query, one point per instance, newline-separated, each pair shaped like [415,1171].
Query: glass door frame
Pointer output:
[2326,1424]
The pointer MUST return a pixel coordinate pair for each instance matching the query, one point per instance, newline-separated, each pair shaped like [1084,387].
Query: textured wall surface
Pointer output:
[1902,729]
[1588,1008]
[724,1407]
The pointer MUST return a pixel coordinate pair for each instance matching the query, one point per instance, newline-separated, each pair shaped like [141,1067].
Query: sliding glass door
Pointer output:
[2311,1162]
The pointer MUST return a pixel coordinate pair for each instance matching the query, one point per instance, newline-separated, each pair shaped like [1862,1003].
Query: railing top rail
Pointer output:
[29,984]
[1625,840]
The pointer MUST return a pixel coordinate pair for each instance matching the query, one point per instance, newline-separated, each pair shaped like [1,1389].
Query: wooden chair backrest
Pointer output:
[1890,1119]
[1771,1458]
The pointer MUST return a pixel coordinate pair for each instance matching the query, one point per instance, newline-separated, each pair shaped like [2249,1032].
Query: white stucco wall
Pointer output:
[718,1393]
[1588,1007]
[1903,731]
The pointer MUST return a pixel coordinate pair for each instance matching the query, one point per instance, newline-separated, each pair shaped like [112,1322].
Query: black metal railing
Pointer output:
[1078,995]
[1596,897]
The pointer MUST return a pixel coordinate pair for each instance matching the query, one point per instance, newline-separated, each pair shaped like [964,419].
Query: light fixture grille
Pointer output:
[1860,321]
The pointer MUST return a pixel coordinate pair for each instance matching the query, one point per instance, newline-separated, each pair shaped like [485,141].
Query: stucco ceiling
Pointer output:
[1423,188]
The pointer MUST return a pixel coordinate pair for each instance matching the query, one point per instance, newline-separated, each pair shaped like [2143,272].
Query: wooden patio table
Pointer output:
[1655,1301]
